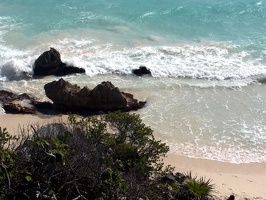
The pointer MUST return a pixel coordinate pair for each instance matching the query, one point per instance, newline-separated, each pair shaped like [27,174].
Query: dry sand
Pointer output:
[245,181]
[13,123]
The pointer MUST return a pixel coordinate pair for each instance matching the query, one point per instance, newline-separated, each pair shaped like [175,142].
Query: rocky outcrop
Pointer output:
[142,70]
[104,96]
[50,63]
[18,109]
[22,104]
[67,97]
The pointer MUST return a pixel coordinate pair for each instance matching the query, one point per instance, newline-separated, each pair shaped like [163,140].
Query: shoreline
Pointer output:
[245,181]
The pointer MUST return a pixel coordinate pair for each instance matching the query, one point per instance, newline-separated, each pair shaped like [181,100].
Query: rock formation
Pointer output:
[68,97]
[23,103]
[142,70]
[50,63]
[104,96]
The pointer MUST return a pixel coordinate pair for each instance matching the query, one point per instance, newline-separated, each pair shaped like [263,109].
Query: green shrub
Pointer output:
[199,188]
[7,162]
[193,188]
[113,156]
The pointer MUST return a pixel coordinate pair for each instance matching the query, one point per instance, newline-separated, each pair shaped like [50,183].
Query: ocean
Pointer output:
[204,98]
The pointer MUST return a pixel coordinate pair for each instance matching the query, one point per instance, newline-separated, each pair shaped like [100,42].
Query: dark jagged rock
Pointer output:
[65,70]
[47,63]
[18,109]
[232,197]
[132,104]
[262,80]
[142,70]
[104,96]
[50,63]
[7,97]
[23,103]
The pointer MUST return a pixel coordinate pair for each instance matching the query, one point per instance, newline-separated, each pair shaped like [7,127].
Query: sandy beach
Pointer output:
[13,123]
[245,181]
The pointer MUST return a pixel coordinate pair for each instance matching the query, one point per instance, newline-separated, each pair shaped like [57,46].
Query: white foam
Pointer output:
[15,64]
[259,3]
[217,123]
[2,111]
[148,14]
[203,61]
[221,62]
[234,154]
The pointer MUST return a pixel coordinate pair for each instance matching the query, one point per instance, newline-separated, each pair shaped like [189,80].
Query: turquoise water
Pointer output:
[213,39]
[206,58]
[220,20]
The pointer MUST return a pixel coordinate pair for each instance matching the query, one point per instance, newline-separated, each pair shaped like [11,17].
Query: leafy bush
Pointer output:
[113,156]
[7,162]
[197,188]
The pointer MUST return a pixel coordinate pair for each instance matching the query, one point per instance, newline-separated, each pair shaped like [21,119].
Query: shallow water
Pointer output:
[195,119]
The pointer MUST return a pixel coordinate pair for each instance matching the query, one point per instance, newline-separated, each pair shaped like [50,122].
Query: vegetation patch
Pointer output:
[114,156]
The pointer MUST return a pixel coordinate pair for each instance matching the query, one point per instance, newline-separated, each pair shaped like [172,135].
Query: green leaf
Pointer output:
[51,192]
[2,174]
[28,178]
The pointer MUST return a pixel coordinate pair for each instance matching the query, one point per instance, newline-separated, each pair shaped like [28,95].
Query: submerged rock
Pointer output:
[262,80]
[50,63]
[142,70]
[104,96]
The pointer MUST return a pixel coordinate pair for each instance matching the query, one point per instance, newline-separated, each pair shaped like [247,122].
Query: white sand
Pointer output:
[245,181]
[13,123]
